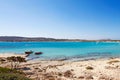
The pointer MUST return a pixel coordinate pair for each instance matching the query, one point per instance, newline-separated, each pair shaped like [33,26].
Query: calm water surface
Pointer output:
[68,49]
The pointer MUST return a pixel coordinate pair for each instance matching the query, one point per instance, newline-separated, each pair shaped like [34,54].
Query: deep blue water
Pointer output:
[69,49]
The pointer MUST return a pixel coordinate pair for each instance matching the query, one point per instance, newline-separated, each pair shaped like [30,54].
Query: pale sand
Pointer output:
[67,70]
[5,55]
[101,69]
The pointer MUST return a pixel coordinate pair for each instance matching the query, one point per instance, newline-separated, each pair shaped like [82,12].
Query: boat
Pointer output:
[38,53]
[28,52]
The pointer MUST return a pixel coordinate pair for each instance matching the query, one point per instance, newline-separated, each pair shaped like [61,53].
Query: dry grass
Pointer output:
[89,68]
[68,73]
[113,61]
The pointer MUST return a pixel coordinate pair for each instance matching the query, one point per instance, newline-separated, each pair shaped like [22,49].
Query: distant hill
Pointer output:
[38,39]
[15,38]
[21,39]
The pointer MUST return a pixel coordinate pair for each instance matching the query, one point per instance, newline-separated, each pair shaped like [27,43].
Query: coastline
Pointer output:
[95,69]
[46,39]
[5,55]
[59,58]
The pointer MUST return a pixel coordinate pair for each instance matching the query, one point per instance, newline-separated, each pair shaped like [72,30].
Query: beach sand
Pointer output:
[100,69]
[5,55]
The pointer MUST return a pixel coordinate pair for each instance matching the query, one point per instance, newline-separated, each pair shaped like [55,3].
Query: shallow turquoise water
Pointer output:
[69,49]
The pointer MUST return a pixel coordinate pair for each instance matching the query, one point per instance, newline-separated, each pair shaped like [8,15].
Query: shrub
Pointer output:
[89,68]
[7,70]
[15,61]
[13,76]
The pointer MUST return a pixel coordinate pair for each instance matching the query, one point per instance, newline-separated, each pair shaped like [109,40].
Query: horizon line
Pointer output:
[59,38]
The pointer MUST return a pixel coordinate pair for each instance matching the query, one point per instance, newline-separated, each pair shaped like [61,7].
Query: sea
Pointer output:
[63,50]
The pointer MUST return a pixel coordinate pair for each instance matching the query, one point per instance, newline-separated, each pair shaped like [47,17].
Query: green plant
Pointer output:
[13,76]
[15,61]
[7,70]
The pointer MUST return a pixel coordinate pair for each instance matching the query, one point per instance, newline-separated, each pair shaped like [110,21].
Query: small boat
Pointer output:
[28,52]
[38,53]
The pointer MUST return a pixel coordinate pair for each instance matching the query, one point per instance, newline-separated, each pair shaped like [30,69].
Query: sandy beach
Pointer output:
[5,55]
[100,69]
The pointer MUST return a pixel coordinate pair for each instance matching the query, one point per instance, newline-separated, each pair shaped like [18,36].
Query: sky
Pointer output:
[72,19]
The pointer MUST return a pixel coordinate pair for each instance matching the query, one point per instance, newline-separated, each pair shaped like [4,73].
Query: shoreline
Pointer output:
[59,58]
[5,55]
[94,69]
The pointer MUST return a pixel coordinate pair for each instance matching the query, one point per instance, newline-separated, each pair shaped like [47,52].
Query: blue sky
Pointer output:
[81,19]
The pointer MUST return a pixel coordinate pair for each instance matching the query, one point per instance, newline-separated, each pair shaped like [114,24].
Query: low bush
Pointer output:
[89,68]
[7,70]
[11,74]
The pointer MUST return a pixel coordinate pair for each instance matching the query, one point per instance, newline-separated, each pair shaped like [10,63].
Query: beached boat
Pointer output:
[38,53]
[28,52]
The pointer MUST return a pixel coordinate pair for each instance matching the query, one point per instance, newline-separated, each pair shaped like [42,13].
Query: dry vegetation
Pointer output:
[89,68]
[113,61]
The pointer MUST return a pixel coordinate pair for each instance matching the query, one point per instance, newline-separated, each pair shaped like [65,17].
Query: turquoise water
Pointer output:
[68,49]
